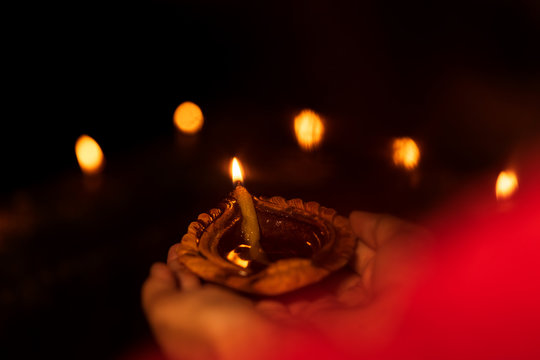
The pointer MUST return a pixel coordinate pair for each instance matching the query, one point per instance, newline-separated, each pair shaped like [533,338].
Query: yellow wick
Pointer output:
[250,224]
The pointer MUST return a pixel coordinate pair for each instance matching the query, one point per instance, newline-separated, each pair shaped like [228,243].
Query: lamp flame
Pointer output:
[188,118]
[309,129]
[237,173]
[507,184]
[406,153]
[89,155]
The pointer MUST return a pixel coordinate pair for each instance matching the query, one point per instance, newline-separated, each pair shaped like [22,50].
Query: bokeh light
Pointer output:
[89,155]
[309,129]
[507,184]
[406,153]
[188,118]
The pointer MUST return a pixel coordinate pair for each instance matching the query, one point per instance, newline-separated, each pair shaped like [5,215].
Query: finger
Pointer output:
[376,229]
[186,280]
[173,253]
[273,309]
[389,245]
[364,256]
[161,282]
[366,225]
[351,292]
[348,282]
[367,275]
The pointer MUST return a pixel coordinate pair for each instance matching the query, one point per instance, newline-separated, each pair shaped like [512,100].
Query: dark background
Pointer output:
[460,77]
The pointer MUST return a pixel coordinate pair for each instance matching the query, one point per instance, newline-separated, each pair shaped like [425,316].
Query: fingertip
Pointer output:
[355,213]
[161,271]
[367,276]
[188,281]
[156,267]
[174,273]
[360,213]
[173,253]
[358,219]
[377,229]
[362,224]
[363,256]
[352,292]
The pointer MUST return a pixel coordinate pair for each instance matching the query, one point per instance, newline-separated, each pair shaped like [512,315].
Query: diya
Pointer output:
[266,246]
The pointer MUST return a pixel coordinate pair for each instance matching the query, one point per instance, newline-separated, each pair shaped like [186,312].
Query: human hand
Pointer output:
[191,320]
[371,294]
[195,321]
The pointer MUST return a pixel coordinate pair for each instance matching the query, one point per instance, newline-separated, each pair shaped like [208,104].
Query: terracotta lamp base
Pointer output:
[303,243]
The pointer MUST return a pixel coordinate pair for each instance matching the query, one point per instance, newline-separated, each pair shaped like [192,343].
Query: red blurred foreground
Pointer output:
[480,296]
[477,296]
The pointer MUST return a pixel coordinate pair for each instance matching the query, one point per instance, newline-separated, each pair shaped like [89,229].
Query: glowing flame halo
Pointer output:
[237,173]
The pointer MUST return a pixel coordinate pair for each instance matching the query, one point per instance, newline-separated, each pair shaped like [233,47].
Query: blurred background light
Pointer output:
[309,129]
[89,155]
[188,118]
[507,184]
[406,153]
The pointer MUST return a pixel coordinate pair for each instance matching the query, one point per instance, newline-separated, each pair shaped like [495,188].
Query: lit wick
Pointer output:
[250,224]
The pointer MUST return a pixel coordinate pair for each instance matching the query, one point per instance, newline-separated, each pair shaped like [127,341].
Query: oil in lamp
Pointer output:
[266,246]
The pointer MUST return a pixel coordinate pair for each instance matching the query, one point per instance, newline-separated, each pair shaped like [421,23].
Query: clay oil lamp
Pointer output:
[266,246]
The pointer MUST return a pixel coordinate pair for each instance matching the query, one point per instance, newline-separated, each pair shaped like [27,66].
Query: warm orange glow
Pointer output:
[406,153]
[309,129]
[188,118]
[235,258]
[237,173]
[89,155]
[507,184]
